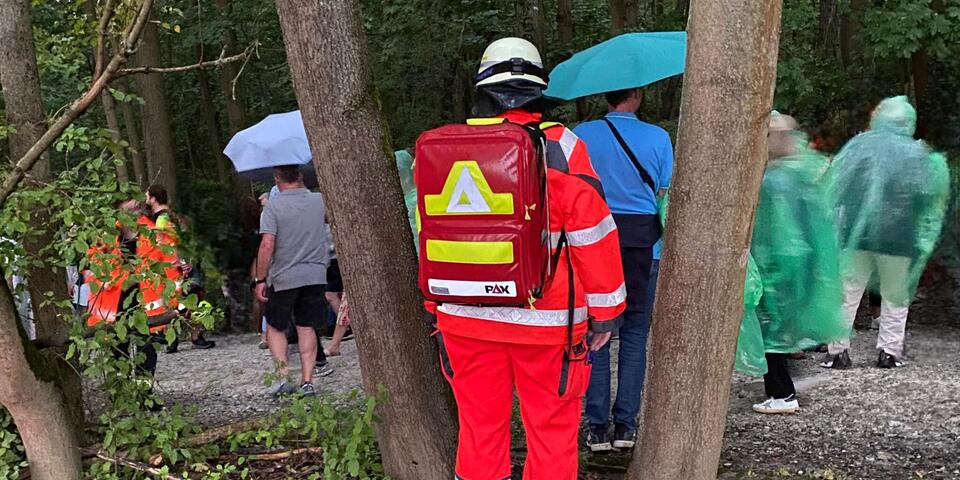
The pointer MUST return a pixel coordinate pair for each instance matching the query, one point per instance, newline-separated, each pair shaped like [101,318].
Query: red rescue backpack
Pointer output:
[482,212]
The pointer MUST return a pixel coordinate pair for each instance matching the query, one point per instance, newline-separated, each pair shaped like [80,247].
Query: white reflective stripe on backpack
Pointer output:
[517,316]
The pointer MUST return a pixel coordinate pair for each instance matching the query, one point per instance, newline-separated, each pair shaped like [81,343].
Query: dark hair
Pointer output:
[287,173]
[158,192]
[615,98]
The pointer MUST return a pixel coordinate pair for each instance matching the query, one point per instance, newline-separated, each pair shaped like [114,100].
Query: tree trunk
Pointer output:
[113,124]
[850,25]
[920,73]
[617,16]
[133,136]
[531,22]
[417,428]
[828,12]
[24,110]
[210,126]
[727,95]
[29,392]
[158,137]
[236,120]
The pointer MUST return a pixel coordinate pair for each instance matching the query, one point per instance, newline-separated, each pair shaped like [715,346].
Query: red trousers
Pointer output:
[483,375]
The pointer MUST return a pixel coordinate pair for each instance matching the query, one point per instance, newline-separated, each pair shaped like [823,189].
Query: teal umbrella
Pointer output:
[630,60]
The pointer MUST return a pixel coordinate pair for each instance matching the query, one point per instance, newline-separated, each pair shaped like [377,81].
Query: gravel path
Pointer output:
[863,423]
[226,383]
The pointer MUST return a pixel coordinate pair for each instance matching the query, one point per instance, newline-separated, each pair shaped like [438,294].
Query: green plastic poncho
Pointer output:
[751,358]
[405,169]
[890,195]
[795,247]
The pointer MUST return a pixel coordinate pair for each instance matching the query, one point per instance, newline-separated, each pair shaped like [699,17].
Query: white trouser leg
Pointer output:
[854,283]
[892,272]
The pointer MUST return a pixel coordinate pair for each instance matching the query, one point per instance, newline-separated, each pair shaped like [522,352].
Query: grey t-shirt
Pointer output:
[302,249]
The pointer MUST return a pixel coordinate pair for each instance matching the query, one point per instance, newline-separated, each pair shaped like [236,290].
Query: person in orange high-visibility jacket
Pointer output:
[487,352]
[157,297]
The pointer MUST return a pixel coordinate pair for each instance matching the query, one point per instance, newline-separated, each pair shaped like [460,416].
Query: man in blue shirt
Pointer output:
[635,163]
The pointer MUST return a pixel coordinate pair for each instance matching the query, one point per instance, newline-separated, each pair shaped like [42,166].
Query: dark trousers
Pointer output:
[632,359]
[777,381]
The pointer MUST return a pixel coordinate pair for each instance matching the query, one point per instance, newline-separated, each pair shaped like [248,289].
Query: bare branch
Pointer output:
[130,36]
[143,467]
[244,55]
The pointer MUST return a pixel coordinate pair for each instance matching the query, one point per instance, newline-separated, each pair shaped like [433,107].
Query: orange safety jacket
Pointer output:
[155,300]
[104,304]
[578,209]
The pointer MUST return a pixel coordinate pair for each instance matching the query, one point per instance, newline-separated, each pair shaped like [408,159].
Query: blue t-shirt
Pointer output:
[624,187]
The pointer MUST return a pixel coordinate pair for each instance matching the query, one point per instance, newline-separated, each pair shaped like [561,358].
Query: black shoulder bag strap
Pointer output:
[633,158]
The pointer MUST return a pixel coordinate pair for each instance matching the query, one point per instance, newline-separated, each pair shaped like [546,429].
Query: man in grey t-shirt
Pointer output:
[291,274]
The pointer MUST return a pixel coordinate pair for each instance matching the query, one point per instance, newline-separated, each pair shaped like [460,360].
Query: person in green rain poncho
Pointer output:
[890,194]
[404,159]
[795,250]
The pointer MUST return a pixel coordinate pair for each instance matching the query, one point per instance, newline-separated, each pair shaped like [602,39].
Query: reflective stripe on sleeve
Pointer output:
[568,141]
[517,316]
[611,299]
[587,236]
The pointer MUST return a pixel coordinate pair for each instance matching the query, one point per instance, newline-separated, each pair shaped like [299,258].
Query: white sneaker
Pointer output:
[778,405]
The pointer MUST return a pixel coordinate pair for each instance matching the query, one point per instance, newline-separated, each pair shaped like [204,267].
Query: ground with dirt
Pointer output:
[863,423]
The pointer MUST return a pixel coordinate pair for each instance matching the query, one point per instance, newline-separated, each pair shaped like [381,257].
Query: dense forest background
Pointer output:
[837,59]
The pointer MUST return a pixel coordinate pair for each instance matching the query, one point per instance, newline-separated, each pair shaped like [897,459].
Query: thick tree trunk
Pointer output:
[133,137]
[157,134]
[727,95]
[327,49]
[24,110]
[624,15]
[29,392]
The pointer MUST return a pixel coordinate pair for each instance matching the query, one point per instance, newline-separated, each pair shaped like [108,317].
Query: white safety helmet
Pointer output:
[510,59]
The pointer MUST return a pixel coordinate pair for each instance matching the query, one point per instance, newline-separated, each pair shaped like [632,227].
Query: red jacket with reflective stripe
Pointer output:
[578,208]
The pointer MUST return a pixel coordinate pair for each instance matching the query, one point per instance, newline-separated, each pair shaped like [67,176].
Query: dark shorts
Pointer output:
[334,280]
[303,307]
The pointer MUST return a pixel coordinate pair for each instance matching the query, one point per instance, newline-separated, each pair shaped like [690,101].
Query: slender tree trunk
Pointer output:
[24,110]
[113,124]
[617,16]
[531,22]
[565,26]
[210,127]
[133,136]
[920,73]
[28,390]
[157,133]
[236,119]
[327,49]
[727,95]
[828,14]
[850,26]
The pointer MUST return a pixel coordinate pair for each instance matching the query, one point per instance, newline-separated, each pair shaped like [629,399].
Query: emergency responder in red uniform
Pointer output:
[487,352]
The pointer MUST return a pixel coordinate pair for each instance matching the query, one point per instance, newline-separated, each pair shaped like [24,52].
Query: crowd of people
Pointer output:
[826,229]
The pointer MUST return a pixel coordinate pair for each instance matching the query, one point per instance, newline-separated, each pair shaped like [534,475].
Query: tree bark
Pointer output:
[727,95]
[327,49]
[617,20]
[850,25]
[157,134]
[24,109]
[236,119]
[210,126]
[565,27]
[113,124]
[531,22]
[133,137]
[28,390]
[828,13]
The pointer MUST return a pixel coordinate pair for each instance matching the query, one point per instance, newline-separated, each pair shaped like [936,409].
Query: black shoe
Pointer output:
[598,440]
[203,344]
[623,437]
[348,335]
[888,361]
[840,361]
[173,347]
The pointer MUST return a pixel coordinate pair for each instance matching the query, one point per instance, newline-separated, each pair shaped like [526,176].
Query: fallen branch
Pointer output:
[273,457]
[143,467]
[224,431]
[222,60]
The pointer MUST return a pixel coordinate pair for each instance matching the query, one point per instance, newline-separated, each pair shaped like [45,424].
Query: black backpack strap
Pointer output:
[571,311]
[633,158]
